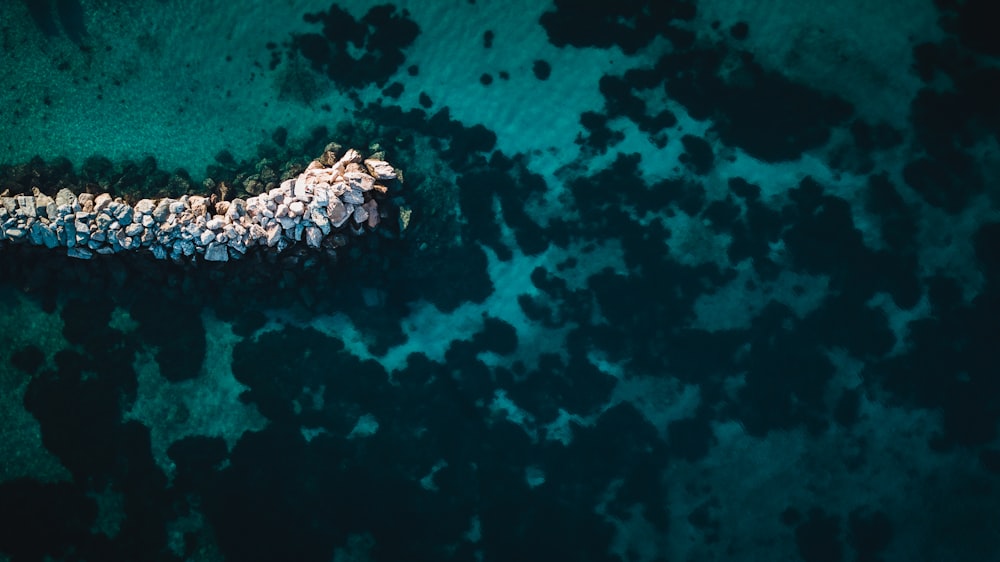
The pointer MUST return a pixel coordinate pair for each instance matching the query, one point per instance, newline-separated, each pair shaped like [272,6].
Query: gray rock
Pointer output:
[237,209]
[339,188]
[321,196]
[239,246]
[302,188]
[145,206]
[134,229]
[350,157]
[162,210]
[86,201]
[321,222]
[273,235]
[65,197]
[373,216]
[123,215]
[216,252]
[314,237]
[381,169]
[354,196]
[101,202]
[42,203]
[42,236]
[80,253]
[177,207]
[67,236]
[198,205]
[359,180]
[103,221]
[26,206]
[256,232]
[207,236]
[337,212]
[360,214]
[296,208]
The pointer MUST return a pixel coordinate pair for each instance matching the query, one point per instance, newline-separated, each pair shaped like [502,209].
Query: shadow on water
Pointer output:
[68,12]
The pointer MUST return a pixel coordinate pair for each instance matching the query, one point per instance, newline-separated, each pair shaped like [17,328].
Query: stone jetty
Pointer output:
[333,199]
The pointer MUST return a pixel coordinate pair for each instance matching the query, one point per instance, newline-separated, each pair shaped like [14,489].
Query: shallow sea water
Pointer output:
[681,281]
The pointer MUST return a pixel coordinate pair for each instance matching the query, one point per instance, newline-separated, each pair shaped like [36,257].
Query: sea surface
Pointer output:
[664,281]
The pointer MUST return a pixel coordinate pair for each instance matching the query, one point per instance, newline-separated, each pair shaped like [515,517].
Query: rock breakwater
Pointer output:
[332,200]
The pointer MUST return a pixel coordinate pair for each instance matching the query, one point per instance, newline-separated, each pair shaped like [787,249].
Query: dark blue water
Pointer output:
[663,281]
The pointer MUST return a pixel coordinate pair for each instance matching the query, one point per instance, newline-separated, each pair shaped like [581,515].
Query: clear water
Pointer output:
[680,281]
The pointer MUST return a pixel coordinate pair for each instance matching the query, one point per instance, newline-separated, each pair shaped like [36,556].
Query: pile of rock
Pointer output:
[330,200]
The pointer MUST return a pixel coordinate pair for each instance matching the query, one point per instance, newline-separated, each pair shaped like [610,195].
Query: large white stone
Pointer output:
[303,188]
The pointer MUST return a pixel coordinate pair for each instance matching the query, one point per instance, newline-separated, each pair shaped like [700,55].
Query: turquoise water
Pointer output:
[678,281]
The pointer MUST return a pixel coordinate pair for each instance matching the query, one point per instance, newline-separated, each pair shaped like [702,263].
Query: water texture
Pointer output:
[670,280]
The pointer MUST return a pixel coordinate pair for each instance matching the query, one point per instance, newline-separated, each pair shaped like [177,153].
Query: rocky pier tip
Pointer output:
[334,199]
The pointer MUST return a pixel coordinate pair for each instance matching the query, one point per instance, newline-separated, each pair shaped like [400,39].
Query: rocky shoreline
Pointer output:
[332,200]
